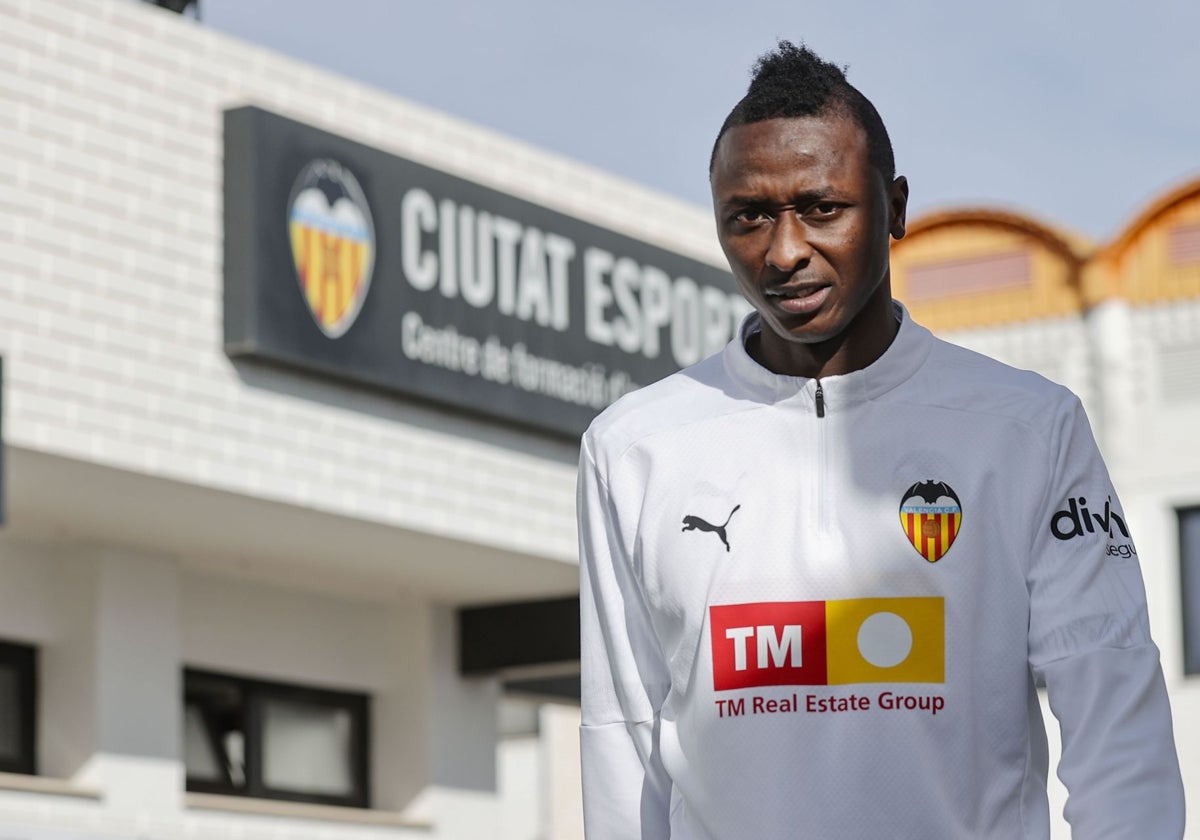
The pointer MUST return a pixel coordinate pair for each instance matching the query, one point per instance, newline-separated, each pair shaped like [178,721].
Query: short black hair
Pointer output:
[793,81]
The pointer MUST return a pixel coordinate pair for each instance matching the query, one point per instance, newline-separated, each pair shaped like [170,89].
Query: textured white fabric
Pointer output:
[718,497]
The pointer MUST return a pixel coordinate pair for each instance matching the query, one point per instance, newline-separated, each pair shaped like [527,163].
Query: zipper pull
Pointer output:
[820,395]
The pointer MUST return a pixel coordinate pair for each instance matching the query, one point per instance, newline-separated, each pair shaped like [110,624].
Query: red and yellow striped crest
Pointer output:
[329,225]
[931,516]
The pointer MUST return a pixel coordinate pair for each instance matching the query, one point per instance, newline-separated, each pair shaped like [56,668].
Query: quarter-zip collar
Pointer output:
[899,362]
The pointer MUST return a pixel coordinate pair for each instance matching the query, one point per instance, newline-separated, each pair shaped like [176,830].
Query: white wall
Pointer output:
[114,630]
[46,600]
[295,636]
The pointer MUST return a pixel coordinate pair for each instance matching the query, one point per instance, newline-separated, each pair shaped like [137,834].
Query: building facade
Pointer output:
[196,534]
[247,589]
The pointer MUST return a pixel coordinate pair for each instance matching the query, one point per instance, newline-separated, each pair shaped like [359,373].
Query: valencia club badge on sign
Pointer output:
[333,243]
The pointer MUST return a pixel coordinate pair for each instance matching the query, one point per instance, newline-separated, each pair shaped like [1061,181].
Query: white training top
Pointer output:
[817,609]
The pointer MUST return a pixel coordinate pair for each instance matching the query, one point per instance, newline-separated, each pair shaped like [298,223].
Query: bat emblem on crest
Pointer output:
[931,516]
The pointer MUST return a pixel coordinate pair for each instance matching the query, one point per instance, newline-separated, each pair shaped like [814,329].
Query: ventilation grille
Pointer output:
[1183,244]
[978,274]
[1179,371]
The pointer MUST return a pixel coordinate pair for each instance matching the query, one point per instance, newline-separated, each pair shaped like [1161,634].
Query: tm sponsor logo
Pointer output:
[815,704]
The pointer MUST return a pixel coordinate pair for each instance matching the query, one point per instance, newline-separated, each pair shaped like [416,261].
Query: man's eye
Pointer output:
[750,217]
[824,209]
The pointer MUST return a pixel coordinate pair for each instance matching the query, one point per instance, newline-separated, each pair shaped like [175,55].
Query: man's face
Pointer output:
[804,220]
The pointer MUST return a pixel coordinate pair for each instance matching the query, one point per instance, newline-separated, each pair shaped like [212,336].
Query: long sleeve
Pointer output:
[626,792]
[1089,640]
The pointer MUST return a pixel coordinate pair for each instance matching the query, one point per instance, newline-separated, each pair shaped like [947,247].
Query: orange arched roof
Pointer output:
[1072,247]
[1158,206]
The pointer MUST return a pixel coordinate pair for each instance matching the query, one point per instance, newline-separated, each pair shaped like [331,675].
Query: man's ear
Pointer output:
[898,206]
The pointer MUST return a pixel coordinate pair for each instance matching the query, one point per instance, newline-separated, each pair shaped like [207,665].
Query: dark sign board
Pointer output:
[352,262]
[3,473]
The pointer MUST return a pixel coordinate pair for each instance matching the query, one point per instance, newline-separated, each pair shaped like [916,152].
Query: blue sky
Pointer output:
[1078,112]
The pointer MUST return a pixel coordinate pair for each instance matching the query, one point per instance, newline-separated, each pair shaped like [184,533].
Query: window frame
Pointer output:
[253,693]
[1189,590]
[23,660]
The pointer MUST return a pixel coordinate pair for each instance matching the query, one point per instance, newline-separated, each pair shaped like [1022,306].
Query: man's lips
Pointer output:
[798,300]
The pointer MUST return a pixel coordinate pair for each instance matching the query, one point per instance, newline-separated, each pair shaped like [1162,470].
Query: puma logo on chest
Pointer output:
[695,523]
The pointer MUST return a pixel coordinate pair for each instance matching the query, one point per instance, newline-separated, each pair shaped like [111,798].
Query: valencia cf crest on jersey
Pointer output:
[333,243]
[931,516]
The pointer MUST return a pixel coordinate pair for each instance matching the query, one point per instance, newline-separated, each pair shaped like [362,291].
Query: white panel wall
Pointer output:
[300,637]
[114,630]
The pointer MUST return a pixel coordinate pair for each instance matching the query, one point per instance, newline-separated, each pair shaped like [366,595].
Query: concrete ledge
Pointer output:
[300,810]
[44,784]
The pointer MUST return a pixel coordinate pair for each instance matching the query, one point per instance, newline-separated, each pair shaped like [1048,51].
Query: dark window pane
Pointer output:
[10,714]
[254,738]
[214,737]
[199,753]
[18,708]
[1189,556]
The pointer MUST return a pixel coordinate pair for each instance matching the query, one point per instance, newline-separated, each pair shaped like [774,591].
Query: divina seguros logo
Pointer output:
[333,243]
[1077,520]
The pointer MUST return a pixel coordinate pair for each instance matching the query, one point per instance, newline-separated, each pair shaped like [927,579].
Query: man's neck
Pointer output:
[853,349]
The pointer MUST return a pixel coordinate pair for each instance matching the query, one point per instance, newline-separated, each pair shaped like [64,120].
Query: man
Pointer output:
[823,570]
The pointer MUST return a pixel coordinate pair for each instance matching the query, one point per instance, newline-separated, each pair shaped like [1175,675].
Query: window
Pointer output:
[1189,574]
[18,708]
[252,738]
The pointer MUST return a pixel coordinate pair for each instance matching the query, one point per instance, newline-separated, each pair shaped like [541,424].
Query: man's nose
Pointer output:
[790,249]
